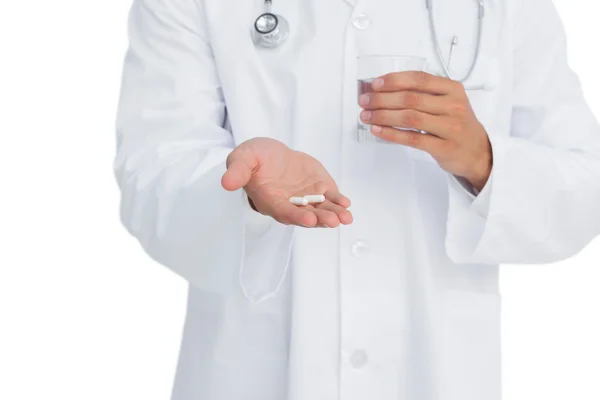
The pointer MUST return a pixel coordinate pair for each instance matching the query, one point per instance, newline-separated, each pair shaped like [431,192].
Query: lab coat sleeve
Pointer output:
[542,201]
[171,152]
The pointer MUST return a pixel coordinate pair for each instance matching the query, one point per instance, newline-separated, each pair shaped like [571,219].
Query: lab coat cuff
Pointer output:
[470,224]
[468,196]
[266,255]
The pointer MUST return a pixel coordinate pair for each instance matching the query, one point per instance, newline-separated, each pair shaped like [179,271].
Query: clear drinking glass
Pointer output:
[371,67]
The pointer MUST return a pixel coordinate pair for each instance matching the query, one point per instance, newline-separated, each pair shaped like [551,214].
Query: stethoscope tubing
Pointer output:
[436,44]
[259,36]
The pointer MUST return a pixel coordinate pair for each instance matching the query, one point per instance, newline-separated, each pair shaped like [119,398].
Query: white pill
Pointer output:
[298,201]
[315,198]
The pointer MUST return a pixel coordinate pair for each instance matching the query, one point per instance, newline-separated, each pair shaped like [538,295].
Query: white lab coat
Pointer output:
[402,304]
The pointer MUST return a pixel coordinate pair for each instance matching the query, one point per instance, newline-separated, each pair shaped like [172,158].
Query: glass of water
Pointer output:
[371,67]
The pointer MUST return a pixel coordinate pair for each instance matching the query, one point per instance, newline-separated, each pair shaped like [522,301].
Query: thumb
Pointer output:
[240,167]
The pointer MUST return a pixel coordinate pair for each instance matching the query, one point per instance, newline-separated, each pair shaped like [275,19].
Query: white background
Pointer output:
[85,315]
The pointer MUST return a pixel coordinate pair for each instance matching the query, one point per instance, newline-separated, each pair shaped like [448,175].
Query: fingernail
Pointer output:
[376,129]
[377,83]
[365,115]
[364,100]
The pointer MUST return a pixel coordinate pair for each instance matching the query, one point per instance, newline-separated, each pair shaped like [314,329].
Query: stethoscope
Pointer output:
[271,30]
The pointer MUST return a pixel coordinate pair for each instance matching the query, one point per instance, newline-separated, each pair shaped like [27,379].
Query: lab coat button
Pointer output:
[361,21]
[359,359]
[360,249]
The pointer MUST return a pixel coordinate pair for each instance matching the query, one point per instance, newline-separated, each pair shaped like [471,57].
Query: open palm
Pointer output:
[271,173]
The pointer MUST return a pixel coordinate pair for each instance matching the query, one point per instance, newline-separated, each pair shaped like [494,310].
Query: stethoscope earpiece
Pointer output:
[270,30]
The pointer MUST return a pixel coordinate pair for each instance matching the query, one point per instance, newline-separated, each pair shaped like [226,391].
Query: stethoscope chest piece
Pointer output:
[270,30]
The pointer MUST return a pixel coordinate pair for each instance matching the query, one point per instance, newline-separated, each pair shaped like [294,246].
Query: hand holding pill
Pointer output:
[290,186]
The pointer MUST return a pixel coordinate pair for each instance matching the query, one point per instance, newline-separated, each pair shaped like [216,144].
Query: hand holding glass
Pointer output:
[371,67]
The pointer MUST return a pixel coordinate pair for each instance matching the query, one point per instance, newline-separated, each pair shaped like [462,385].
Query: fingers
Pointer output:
[408,119]
[418,81]
[342,215]
[337,198]
[326,218]
[333,210]
[289,214]
[331,213]
[405,100]
[309,216]
[431,144]
[240,166]
[326,214]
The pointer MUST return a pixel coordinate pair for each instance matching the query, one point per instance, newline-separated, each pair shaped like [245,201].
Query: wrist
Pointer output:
[481,173]
[252,204]
[482,167]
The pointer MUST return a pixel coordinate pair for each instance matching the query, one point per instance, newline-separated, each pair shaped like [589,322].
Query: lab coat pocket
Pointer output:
[471,356]
[266,256]
[482,87]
